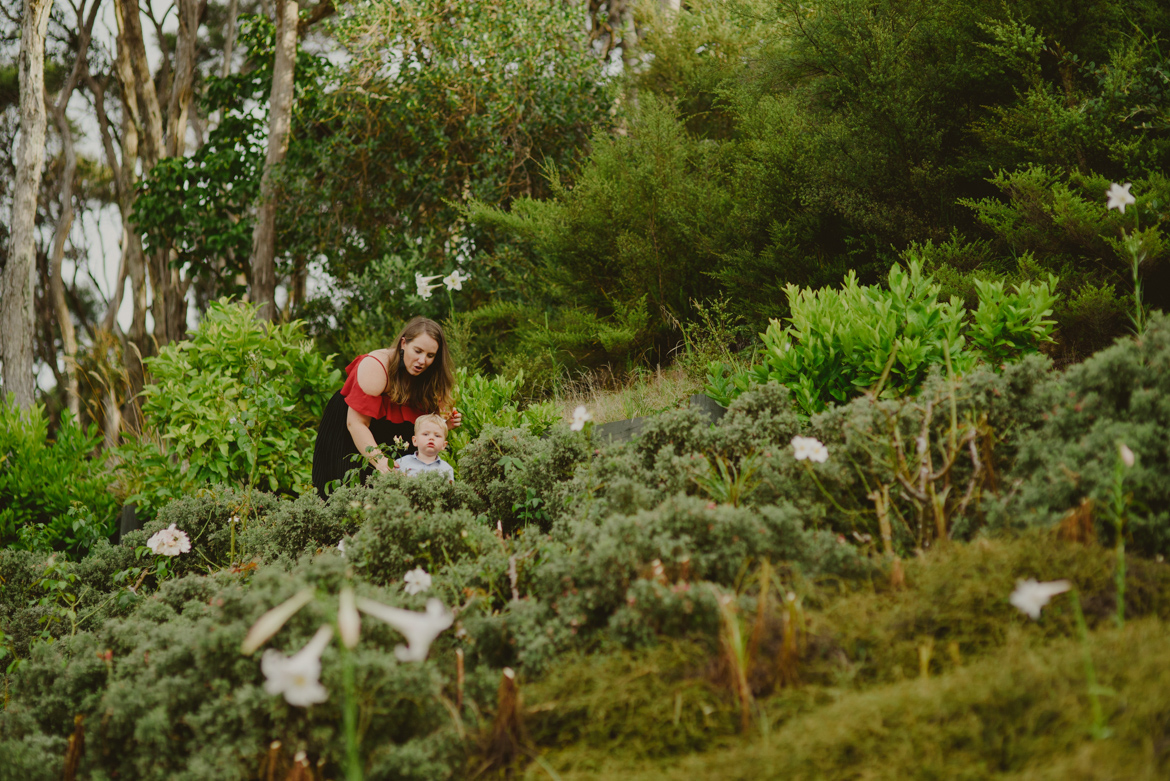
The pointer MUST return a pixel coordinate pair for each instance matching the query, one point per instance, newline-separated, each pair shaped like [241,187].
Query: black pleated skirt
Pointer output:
[334,453]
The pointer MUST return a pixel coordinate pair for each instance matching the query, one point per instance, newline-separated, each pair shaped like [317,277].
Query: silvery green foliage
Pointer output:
[395,538]
[205,516]
[176,699]
[507,467]
[1120,395]
[631,552]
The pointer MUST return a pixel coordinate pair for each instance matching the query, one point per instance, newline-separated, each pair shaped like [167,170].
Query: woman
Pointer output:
[384,392]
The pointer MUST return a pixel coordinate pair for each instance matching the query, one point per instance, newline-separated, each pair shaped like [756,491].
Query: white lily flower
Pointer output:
[416,581]
[1118,196]
[419,629]
[809,448]
[1030,596]
[170,541]
[455,280]
[271,622]
[341,547]
[423,285]
[297,677]
[349,623]
[1127,456]
[580,417]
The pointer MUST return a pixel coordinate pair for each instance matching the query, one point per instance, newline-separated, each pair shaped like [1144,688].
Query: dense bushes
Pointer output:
[558,545]
[788,143]
[237,402]
[842,343]
[1119,396]
[53,493]
[173,695]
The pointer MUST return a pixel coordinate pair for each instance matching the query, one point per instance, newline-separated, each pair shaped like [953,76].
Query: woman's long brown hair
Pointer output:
[429,392]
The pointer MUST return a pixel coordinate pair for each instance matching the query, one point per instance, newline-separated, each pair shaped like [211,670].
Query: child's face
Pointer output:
[430,440]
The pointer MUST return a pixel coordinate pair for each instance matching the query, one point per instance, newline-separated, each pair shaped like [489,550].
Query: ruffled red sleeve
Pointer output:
[374,406]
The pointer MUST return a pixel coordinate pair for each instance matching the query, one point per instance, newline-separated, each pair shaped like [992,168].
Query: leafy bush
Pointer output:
[870,487]
[1117,396]
[841,343]
[515,475]
[396,538]
[1059,223]
[176,697]
[207,518]
[586,233]
[237,403]
[493,401]
[527,342]
[53,493]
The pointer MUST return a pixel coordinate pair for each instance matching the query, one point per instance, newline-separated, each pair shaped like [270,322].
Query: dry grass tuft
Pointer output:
[610,398]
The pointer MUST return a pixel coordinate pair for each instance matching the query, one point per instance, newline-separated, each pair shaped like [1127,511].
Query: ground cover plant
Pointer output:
[735,581]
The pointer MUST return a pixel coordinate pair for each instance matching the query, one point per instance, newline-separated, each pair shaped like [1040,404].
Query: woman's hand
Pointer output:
[359,428]
[455,419]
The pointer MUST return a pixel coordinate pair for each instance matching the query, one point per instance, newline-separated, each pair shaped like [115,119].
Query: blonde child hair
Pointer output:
[436,419]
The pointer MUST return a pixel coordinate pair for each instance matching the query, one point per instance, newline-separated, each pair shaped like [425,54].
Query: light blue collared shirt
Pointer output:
[413,465]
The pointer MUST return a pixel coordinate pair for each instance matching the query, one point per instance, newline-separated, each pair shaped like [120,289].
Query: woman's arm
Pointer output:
[359,428]
[371,374]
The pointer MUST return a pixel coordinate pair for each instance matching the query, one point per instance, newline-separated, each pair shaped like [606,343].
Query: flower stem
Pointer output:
[353,759]
[1098,730]
[812,473]
[1119,525]
[1120,578]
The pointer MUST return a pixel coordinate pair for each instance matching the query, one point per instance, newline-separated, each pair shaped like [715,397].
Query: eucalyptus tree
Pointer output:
[280,102]
[17,280]
[64,317]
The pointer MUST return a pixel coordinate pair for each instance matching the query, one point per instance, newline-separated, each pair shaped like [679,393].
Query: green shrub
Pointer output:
[395,537]
[175,698]
[590,571]
[495,466]
[657,254]
[206,516]
[842,342]
[1117,396]
[541,349]
[238,402]
[295,527]
[493,401]
[53,493]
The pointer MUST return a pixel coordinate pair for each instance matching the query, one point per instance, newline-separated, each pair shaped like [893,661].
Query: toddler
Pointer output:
[430,437]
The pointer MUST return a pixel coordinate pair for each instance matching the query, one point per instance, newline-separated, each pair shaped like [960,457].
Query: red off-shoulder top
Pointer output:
[374,406]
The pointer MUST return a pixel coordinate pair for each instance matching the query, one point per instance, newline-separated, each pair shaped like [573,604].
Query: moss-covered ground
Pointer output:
[939,678]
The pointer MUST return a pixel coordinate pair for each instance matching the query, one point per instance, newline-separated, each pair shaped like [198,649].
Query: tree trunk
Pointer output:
[229,37]
[168,288]
[126,174]
[16,283]
[133,97]
[65,223]
[168,304]
[190,14]
[147,112]
[263,259]
[57,257]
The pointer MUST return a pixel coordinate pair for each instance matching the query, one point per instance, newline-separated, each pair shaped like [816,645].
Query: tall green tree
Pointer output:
[440,103]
